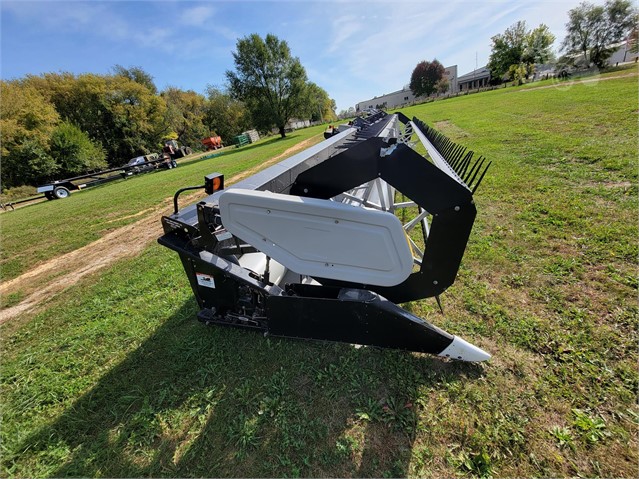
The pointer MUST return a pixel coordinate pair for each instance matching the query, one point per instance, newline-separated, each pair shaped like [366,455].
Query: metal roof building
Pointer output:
[405,96]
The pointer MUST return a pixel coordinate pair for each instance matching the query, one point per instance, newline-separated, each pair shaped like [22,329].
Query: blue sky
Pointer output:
[353,49]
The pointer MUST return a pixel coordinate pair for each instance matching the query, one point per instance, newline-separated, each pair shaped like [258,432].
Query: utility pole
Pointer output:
[475,70]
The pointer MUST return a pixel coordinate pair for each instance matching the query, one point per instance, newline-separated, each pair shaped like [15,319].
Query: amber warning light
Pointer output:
[213,182]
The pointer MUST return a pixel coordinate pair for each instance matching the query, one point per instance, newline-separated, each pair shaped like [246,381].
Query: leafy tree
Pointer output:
[74,152]
[442,86]
[135,118]
[27,121]
[268,80]
[28,164]
[518,73]
[633,40]
[518,49]
[507,49]
[425,76]
[350,113]
[124,116]
[185,115]
[538,46]
[593,29]
[224,115]
[136,74]
[320,107]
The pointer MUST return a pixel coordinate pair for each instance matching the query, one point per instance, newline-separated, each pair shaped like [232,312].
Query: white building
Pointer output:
[405,96]
[479,78]
[622,54]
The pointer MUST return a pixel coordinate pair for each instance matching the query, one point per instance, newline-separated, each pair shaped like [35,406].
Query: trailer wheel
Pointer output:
[61,192]
[188,150]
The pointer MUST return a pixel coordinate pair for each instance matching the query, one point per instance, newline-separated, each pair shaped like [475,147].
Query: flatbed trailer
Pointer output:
[61,189]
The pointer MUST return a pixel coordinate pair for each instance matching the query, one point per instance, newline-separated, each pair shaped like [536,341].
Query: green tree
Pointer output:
[124,116]
[320,107]
[425,76]
[350,113]
[27,121]
[538,46]
[270,81]
[507,49]
[74,152]
[136,74]
[593,29]
[224,115]
[134,117]
[519,72]
[633,40]
[185,115]
[442,86]
[517,50]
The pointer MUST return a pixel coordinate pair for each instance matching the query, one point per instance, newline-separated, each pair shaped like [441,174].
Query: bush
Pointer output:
[17,193]
[74,152]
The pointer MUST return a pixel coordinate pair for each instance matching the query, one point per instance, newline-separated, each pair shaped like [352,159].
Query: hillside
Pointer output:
[111,375]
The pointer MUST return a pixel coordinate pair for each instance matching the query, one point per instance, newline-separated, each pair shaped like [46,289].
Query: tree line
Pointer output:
[60,124]
[593,33]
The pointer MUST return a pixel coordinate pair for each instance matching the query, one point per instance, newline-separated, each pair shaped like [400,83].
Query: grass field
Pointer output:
[115,378]
[72,223]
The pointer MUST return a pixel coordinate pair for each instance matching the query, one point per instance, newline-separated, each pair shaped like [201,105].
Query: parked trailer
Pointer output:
[61,189]
[319,246]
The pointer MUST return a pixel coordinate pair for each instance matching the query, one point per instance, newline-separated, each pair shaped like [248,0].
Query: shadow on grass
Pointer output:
[198,401]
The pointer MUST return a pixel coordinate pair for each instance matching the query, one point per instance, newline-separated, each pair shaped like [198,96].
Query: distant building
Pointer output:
[622,53]
[479,78]
[296,124]
[405,96]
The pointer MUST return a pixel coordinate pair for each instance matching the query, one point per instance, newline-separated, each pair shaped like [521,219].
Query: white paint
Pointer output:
[205,280]
[320,238]
[464,351]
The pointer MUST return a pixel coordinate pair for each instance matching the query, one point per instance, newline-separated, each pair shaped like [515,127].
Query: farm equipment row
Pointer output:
[61,189]
[324,244]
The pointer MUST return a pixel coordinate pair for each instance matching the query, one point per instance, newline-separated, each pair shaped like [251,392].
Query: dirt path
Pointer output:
[53,277]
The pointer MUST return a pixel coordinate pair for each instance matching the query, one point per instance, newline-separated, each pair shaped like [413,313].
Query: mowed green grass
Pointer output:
[36,233]
[117,379]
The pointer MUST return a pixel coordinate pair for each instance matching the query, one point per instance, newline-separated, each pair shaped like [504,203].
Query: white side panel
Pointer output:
[320,238]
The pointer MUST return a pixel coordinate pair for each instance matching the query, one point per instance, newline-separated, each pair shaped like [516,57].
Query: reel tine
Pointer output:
[476,169]
[481,178]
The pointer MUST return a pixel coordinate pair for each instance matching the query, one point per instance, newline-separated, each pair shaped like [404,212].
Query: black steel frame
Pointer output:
[332,310]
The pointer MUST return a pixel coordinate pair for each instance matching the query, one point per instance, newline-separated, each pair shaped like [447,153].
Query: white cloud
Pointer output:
[344,28]
[197,16]
[378,46]
[354,49]
[69,15]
